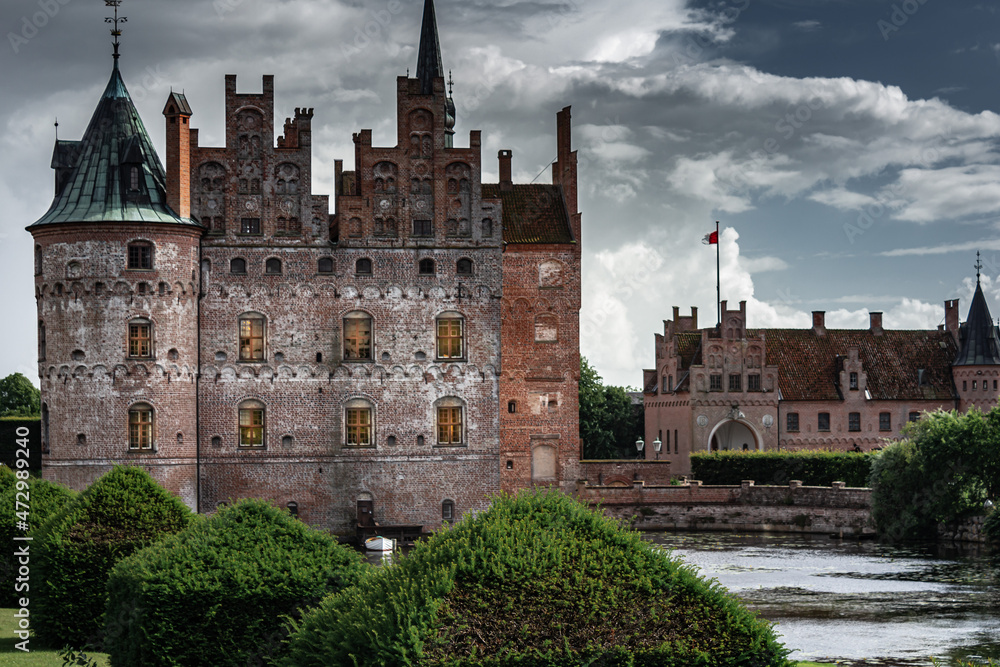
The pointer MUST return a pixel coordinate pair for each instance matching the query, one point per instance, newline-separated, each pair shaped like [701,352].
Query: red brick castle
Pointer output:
[402,358]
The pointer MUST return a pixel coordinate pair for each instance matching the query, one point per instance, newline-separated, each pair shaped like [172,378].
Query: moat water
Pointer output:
[856,603]
[861,603]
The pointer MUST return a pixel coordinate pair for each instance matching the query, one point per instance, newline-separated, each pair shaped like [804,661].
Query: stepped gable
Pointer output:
[980,344]
[808,365]
[533,213]
[94,175]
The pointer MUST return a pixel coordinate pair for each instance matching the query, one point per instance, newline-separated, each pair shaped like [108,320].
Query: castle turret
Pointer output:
[116,284]
[976,369]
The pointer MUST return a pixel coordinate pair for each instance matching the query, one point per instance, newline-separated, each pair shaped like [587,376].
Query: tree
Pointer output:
[18,397]
[609,424]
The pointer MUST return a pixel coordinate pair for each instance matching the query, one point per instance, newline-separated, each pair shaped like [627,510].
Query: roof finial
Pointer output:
[979,266]
[57,128]
[451,84]
[116,31]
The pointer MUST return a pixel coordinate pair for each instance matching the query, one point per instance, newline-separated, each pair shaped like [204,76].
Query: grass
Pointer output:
[36,657]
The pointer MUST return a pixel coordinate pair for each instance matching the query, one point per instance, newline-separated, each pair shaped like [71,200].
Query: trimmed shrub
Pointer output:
[813,468]
[541,580]
[122,512]
[43,499]
[218,592]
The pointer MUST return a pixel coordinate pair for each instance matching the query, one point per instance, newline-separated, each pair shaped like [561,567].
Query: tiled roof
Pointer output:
[808,365]
[533,213]
[980,345]
[689,348]
[94,189]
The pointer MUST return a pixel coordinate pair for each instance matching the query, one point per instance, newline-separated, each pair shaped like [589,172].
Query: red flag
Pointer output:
[711,239]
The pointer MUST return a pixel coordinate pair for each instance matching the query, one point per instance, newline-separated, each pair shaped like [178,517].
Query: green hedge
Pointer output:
[43,499]
[812,468]
[537,580]
[122,512]
[217,592]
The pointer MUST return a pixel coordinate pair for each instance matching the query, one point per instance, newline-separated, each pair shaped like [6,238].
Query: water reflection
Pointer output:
[849,600]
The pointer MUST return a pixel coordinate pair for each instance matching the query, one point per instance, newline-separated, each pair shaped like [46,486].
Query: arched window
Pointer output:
[359,423]
[41,340]
[140,427]
[272,266]
[140,256]
[237,266]
[450,420]
[252,424]
[140,339]
[252,337]
[358,337]
[325,265]
[546,328]
[450,336]
[385,177]
[464,267]
[426,267]
[363,267]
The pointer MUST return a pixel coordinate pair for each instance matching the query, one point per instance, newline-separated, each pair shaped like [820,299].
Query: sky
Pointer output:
[849,148]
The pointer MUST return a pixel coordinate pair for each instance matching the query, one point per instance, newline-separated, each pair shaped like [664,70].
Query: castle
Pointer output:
[398,360]
[733,388]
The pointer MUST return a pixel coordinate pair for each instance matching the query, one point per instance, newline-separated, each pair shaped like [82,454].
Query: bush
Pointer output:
[948,466]
[538,579]
[122,512]
[216,593]
[813,468]
[43,499]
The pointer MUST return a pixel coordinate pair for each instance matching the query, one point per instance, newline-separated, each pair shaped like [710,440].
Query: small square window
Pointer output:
[422,228]
[884,421]
[140,256]
[792,422]
[854,421]
[363,267]
[464,267]
[250,226]
[735,383]
[715,383]
[326,265]
[823,421]
[426,267]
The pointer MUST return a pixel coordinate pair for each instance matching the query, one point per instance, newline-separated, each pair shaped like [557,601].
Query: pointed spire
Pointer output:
[116,31]
[980,339]
[429,65]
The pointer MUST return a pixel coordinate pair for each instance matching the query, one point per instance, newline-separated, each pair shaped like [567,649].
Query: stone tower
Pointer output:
[116,281]
[976,369]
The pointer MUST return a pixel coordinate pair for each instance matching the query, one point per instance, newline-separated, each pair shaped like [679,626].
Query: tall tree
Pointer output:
[609,424]
[18,397]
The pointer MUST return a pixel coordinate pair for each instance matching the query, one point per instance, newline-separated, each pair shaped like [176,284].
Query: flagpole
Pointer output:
[718,278]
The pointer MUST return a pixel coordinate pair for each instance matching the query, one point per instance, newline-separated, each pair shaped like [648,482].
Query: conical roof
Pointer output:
[429,64]
[99,186]
[980,343]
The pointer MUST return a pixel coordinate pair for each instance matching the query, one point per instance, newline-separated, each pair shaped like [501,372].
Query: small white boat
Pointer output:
[379,543]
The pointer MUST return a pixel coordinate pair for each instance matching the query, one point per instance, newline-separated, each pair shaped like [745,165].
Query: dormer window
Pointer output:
[853,380]
[133,179]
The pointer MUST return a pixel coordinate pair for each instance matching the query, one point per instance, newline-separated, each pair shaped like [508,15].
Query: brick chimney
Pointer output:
[819,322]
[875,320]
[565,168]
[177,113]
[951,323]
[506,181]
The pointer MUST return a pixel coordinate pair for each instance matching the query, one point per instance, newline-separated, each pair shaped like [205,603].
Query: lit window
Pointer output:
[363,267]
[854,380]
[464,267]
[272,266]
[140,256]
[237,266]
[252,338]
[715,382]
[251,424]
[140,427]
[735,383]
[449,338]
[140,338]
[792,422]
[753,382]
[357,337]
[359,426]
[884,421]
[449,425]
[823,421]
[854,421]
[426,267]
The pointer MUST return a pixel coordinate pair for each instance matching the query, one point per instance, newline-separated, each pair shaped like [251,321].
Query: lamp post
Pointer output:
[657,446]
[640,445]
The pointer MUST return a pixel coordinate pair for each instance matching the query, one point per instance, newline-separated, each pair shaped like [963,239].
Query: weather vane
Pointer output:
[116,31]
[979,266]
[451,84]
